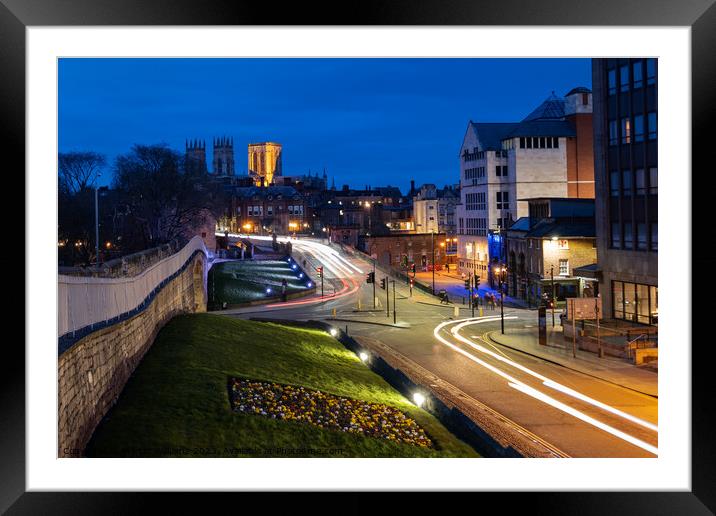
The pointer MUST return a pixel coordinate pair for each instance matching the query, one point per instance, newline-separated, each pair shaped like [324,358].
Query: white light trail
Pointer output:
[549,382]
[530,391]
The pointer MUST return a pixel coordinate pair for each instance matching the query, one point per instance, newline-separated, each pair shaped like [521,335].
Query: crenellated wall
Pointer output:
[93,370]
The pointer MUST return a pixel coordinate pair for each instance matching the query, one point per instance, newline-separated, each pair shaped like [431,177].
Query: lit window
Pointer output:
[562,244]
[626,130]
[564,267]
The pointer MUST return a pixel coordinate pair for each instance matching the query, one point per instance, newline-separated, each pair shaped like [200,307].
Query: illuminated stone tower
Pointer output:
[196,155]
[264,162]
[223,156]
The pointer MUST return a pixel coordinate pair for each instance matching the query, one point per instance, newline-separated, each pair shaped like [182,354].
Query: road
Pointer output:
[580,415]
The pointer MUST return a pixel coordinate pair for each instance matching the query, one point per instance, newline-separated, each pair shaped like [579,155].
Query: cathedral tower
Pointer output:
[224,156]
[264,162]
[196,155]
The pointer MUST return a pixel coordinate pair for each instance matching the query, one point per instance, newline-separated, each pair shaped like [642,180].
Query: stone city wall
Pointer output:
[94,370]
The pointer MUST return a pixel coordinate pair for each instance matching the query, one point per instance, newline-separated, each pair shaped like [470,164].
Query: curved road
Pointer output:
[576,413]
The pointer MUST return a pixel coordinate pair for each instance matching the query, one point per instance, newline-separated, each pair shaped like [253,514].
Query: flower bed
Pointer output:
[291,403]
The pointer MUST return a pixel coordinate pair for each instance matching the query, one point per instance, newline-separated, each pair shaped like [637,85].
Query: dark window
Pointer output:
[639,128]
[652,125]
[522,143]
[529,143]
[616,236]
[585,99]
[614,183]
[638,78]
[542,143]
[613,138]
[654,236]
[653,181]
[641,236]
[640,181]
[549,143]
[612,81]
[627,183]
[555,142]
[628,242]
[651,71]
[624,78]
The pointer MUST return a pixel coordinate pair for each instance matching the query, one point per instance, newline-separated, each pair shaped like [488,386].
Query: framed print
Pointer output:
[415,251]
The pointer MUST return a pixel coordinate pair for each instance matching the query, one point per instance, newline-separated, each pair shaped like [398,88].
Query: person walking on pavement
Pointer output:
[284,284]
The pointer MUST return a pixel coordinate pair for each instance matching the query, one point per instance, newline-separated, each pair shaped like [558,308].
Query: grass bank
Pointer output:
[177,402]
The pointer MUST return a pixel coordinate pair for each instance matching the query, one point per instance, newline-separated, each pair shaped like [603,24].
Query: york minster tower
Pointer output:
[223,156]
[264,162]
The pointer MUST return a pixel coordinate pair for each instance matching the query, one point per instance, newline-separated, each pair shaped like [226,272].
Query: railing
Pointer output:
[87,303]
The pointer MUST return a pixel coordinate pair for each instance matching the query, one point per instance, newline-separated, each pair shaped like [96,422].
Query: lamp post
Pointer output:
[503,273]
[432,240]
[554,300]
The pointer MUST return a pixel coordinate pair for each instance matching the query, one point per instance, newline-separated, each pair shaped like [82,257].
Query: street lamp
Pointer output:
[503,273]
[432,239]
[554,301]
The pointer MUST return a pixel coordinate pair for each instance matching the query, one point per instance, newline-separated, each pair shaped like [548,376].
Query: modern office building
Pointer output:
[626,177]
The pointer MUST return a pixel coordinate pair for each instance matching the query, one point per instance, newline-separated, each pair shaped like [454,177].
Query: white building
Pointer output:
[548,154]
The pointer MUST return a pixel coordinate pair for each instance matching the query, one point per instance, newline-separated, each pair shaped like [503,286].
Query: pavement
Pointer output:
[454,283]
[557,350]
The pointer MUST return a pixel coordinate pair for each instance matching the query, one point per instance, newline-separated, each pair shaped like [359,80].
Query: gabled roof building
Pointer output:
[547,154]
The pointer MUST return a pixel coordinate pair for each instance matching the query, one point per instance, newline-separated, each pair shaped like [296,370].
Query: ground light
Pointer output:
[268,290]
[363,356]
[419,399]
[333,332]
[310,284]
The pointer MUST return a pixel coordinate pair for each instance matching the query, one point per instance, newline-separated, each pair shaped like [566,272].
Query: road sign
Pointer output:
[579,308]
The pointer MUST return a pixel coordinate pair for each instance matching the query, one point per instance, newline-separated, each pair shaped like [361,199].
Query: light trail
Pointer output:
[549,382]
[530,391]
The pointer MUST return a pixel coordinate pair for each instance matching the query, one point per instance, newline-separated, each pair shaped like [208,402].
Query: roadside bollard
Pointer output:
[333,312]
[480,311]
[457,311]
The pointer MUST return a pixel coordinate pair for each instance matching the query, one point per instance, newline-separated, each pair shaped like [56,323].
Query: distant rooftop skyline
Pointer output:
[366,121]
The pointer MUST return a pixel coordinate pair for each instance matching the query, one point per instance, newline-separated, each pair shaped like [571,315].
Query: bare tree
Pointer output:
[79,170]
[161,190]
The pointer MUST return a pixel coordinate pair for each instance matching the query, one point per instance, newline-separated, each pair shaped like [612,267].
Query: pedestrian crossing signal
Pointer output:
[370,277]
[382,283]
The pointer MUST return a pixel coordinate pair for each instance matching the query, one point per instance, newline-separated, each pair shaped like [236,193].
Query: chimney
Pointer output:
[412,186]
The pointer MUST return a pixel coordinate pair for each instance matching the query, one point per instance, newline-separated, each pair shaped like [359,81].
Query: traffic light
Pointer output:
[477,280]
[320,271]
[370,277]
[413,267]
[467,284]
[382,283]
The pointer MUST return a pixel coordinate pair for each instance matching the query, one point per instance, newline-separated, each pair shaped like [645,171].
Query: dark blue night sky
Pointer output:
[367,121]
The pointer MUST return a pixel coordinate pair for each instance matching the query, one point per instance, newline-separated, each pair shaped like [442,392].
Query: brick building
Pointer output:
[277,209]
[552,242]
[401,250]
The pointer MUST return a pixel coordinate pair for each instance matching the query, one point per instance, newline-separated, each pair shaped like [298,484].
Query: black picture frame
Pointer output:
[700,15]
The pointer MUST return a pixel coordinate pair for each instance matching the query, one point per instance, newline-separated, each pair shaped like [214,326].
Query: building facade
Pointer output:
[547,154]
[626,174]
[434,209]
[400,251]
[264,162]
[275,209]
